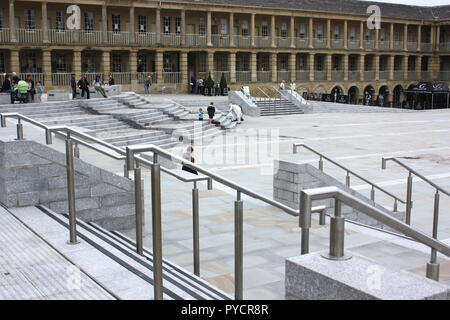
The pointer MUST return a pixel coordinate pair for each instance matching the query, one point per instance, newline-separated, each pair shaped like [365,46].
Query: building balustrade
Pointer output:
[172,77]
[320,43]
[217,75]
[91,37]
[61,36]
[353,44]
[354,75]
[196,40]
[302,43]
[337,75]
[283,75]
[398,75]
[337,43]
[4,35]
[220,40]
[398,45]
[369,44]
[444,75]
[264,76]
[243,76]
[61,79]
[412,75]
[29,35]
[142,76]
[320,75]
[425,75]
[369,75]
[35,76]
[412,46]
[120,38]
[121,77]
[242,41]
[444,46]
[383,45]
[426,47]
[145,38]
[302,75]
[283,42]
[171,39]
[384,75]
[263,42]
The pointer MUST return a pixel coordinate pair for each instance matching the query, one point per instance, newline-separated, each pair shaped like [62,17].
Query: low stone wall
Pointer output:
[64,95]
[249,107]
[32,174]
[290,178]
[5,98]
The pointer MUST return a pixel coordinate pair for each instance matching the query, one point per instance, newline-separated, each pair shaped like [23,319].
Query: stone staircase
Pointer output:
[270,107]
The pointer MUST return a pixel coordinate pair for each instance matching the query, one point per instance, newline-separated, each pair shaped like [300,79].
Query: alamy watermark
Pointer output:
[374,20]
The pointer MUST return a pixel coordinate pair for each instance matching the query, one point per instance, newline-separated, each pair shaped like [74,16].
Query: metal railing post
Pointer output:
[138,209]
[71,190]
[321,163]
[48,136]
[433,265]
[337,234]
[19,130]
[395,206]
[3,121]
[238,248]
[408,199]
[304,222]
[372,194]
[195,229]
[347,180]
[76,151]
[126,173]
[322,220]
[156,230]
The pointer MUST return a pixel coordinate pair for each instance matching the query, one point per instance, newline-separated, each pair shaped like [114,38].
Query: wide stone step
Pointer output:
[153,140]
[119,138]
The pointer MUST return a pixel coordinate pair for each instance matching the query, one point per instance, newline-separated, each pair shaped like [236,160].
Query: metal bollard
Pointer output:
[48,136]
[196,229]
[126,173]
[305,241]
[156,230]
[433,266]
[71,191]
[372,194]
[337,228]
[321,164]
[139,209]
[395,206]
[210,184]
[322,220]
[3,120]
[347,180]
[238,248]
[408,199]
[19,131]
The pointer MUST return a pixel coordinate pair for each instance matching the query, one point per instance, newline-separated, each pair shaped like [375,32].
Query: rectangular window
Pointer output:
[1,18]
[411,64]
[336,32]
[60,20]
[302,30]
[382,65]
[223,27]
[245,63]
[142,63]
[320,31]
[397,36]
[142,21]
[368,34]
[29,19]
[167,65]
[30,59]
[88,21]
[382,35]
[410,36]
[335,63]
[352,33]
[60,65]
[284,62]
[244,28]
[265,63]
[264,29]
[178,25]
[2,62]
[367,63]
[202,62]
[116,22]
[319,63]
[202,29]
[167,22]
[284,30]
[116,63]
[302,63]
[352,63]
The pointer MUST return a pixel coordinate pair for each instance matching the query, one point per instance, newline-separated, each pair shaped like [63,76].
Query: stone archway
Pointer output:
[383,96]
[369,95]
[398,96]
[353,95]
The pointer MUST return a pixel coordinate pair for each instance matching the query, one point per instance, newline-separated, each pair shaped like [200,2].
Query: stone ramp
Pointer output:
[31,269]
[110,258]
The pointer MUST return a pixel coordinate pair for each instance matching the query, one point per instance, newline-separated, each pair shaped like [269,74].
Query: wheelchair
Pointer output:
[21,97]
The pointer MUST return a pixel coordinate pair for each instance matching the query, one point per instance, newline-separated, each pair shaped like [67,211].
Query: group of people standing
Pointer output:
[22,90]
[83,85]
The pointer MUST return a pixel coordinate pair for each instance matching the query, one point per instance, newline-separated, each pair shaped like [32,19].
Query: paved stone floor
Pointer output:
[31,270]
[357,141]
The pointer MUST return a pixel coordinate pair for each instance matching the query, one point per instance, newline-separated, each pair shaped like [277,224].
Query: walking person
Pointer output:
[200,114]
[40,91]
[200,86]
[188,156]
[73,85]
[368,98]
[147,84]
[83,84]
[282,86]
[192,84]
[211,112]
[293,86]
[31,88]
[98,86]
[6,85]
[111,80]
[381,100]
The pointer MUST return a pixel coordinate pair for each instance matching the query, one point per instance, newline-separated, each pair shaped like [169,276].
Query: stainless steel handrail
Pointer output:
[432,266]
[337,224]
[373,185]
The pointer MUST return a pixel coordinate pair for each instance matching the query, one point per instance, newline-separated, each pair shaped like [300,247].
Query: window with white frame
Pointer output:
[368,34]
[88,21]
[352,33]
[1,18]
[202,62]
[60,65]
[202,29]
[178,25]
[60,21]
[284,30]
[167,65]
[2,62]
[397,36]
[302,30]
[244,28]
[167,22]
[142,22]
[336,33]
[116,22]
[320,31]
[29,19]
[30,59]
[264,29]
[116,63]
[382,35]
[223,27]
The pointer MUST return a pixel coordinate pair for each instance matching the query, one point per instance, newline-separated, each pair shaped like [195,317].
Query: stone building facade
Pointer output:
[322,45]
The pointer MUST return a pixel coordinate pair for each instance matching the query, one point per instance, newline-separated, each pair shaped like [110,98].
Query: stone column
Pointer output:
[76,63]
[253,67]
[310,32]
[361,35]
[405,37]
[133,69]
[311,66]
[12,25]
[44,25]
[210,62]
[405,67]
[345,34]
[232,66]
[419,66]
[47,67]
[14,62]
[391,67]
[438,37]
[208,29]
[183,27]
[346,57]
[292,66]
[419,37]
[273,66]
[231,31]
[377,67]
[132,26]
[434,66]
[433,37]
[252,30]
[391,37]
[158,30]
[184,67]
[377,39]
[292,32]
[328,63]
[106,63]
[272,31]
[105,24]
[159,66]
[328,36]
[362,58]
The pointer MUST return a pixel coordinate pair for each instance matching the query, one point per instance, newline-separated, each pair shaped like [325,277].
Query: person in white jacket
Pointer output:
[236,111]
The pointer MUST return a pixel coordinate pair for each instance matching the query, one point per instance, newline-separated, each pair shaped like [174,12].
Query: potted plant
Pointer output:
[209,86]
[223,85]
